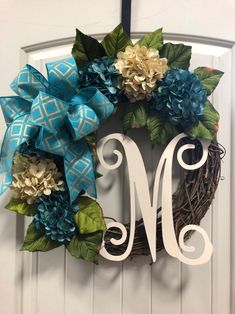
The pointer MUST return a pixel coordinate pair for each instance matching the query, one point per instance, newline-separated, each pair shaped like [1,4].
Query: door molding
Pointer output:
[178,38]
[136,35]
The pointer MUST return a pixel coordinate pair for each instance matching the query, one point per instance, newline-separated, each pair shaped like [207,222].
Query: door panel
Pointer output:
[55,282]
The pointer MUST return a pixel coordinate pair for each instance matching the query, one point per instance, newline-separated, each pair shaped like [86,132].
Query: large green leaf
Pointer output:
[21,207]
[161,131]
[86,48]
[116,41]
[209,78]
[134,117]
[178,55]
[207,126]
[152,40]
[36,240]
[89,218]
[91,141]
[98,175]
[86,246]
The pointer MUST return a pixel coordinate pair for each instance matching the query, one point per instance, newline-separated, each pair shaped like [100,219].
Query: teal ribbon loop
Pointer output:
[48,112]
[58,118]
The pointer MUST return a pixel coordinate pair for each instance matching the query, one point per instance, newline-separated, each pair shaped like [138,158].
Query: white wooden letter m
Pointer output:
[139,188]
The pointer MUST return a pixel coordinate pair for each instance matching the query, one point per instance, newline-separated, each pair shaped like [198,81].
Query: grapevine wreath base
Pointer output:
[191,201]
[48,155]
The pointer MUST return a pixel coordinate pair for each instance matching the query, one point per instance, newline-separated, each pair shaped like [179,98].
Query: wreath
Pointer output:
[48,154]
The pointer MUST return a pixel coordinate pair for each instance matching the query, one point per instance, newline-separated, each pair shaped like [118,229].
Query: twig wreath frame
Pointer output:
[191,202]
[49,152]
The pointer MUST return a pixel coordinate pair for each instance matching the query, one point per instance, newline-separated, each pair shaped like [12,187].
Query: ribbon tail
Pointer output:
[78,163]
[5,183]
[17,133]
[79,170]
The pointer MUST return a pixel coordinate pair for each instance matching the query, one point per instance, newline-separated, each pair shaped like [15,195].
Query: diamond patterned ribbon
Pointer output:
[58,117]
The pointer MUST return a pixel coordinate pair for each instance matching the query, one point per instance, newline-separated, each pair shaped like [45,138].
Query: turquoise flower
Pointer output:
[54,215]
[181,97]
[28,148]
[102,74]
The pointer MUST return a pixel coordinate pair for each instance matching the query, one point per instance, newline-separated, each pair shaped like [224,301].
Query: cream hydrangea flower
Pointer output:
[33,177]
[140,68]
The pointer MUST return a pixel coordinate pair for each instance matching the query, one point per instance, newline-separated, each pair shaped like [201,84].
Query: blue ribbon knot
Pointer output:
[58,117]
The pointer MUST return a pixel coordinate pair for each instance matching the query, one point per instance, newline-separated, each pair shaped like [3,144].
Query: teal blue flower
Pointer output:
[181,97]
[54,215]
[28,148]
[102,74]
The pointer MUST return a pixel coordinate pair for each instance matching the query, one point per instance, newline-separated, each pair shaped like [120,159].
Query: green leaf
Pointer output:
[134,117]
[116,41]
[200,131]
[98,175]
[209,78]
[89,218]
[21,207]
[207,126]
[161,131]
[91,141]
[86,246]
[178,56]
[152,40]
[86,48]
[36,240]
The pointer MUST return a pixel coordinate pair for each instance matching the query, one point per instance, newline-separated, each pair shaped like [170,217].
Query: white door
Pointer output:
[55,283]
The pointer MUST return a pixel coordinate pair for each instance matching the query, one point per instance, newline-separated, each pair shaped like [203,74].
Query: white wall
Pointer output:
[26,22]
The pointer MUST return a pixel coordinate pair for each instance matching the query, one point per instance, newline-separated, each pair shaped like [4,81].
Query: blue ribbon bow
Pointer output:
[57,117]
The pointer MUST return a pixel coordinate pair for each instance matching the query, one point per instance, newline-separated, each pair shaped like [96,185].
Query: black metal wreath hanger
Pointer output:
[126,15]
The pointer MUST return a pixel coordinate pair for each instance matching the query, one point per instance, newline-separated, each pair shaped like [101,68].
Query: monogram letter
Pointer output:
[139,186]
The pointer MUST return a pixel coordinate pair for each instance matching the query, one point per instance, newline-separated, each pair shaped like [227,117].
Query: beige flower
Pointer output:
[140,68]
[33,177]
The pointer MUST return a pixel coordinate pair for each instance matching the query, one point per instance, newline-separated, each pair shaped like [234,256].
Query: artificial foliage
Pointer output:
[181,97]
[101,73]
[140,69]
[55,215]
[34,177]
[48,154]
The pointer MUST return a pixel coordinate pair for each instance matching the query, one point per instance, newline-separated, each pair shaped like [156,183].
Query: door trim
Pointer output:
[178,38]
[136,35]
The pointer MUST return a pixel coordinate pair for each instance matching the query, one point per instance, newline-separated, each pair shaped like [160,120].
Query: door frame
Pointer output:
[25,51]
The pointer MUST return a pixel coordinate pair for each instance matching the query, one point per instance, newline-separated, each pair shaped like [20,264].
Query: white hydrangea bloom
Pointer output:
[140,68]
[33,177]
